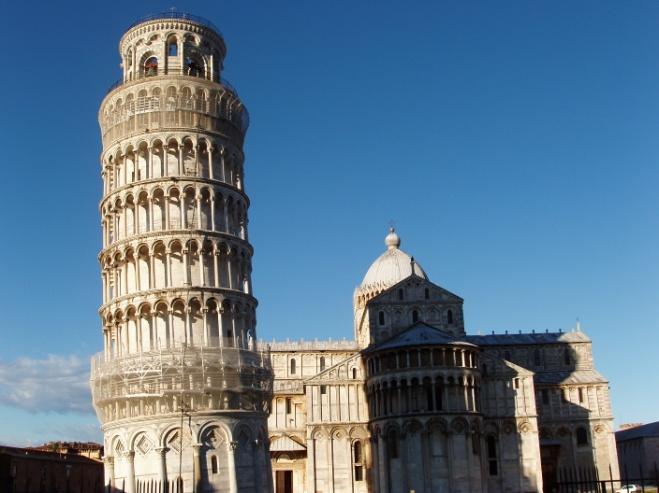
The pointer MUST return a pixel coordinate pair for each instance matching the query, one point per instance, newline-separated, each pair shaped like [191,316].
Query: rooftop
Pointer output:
[419,334]
[175,15]
[643,431]
[569,377]
[527,338]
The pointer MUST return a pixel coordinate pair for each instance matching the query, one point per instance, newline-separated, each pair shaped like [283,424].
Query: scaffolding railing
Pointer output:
[190,370]
[209,116]
[311,345]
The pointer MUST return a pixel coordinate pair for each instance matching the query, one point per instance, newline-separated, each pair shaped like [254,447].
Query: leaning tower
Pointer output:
[181,389]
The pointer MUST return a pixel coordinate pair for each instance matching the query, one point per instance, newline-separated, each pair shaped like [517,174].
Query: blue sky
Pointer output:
[514,144]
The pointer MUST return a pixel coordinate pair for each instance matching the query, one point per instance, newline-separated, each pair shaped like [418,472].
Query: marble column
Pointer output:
[311,464]
[233,480]
[196,467]
[162,451]
[130,484]
[382,465]
[109,471]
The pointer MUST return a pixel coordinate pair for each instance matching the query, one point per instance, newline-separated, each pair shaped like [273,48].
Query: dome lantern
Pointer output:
[392,240]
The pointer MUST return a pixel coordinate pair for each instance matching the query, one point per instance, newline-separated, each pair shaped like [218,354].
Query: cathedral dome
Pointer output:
[392,266]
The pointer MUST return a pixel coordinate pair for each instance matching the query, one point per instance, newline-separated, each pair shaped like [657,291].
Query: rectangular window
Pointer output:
[288,405]
[580,396]
[493,463]
[323,389]
[545,397]
[475,444]
[359,473]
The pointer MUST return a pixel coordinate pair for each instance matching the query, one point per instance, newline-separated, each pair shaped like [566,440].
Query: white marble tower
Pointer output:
[181,389]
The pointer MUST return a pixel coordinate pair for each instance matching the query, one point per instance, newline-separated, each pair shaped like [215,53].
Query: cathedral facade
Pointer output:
[414,403]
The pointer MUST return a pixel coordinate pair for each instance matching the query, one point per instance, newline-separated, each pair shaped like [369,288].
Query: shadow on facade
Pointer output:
[569,442]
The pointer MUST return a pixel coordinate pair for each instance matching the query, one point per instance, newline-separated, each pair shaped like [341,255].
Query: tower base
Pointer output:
[216,452]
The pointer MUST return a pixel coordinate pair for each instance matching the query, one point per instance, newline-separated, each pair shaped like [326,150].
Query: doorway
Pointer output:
[284,482]
[549,454]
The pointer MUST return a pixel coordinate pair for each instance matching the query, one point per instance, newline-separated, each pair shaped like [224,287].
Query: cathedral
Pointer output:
[414,403]
[191,401]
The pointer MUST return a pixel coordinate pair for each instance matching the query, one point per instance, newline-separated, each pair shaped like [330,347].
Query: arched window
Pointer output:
[392,444]
[293,365]
[322,363]
[582,437]
[357,459]
[381,318]
[415,316]
[449,317]
[172,47]
[214,465]
[194,63]
[151,67]
[492,461]
[354,373]
[357,448]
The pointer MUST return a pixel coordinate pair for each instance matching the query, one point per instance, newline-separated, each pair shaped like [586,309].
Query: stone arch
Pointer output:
[212,321]
[197,335]
[162,332]
[149,64]
[460,425]
[203,160]
[141,443]
[179,317]
[318,434]
[118,447]
[158,169]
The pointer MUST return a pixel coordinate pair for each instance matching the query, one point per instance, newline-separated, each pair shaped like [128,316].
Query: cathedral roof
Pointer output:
[533,338]
[573,377]
[392,266]
[643,431]
[286,443]
[420,334]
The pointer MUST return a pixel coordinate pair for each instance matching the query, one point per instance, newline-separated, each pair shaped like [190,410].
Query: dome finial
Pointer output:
[392,240]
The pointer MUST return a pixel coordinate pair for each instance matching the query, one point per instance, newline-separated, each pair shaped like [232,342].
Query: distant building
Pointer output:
[638,450]
[91,450]
[26,470]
